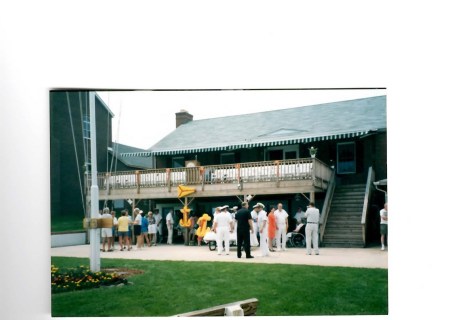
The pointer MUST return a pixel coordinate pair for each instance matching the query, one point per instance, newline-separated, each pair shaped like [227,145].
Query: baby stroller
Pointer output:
[211,237]
[296,238]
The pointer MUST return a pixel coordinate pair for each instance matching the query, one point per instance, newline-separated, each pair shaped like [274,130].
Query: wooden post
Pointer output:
[185,229]
[312,197]
[202,177]
[138,181]
[168,179]
[278,172]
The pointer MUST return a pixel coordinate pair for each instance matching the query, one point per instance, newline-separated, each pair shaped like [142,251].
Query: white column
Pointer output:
[94,234]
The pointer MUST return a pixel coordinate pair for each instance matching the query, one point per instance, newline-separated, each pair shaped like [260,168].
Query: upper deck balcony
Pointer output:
[307,175]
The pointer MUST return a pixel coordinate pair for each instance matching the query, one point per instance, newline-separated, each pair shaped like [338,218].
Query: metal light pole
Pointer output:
[94,233]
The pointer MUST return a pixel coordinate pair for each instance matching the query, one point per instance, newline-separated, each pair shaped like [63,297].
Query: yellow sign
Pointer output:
[184,191]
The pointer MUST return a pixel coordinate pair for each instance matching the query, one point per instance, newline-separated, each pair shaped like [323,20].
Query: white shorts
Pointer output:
[106,232]
[152,229]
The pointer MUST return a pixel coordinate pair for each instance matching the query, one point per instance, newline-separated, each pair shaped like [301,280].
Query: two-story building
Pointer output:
[329,153]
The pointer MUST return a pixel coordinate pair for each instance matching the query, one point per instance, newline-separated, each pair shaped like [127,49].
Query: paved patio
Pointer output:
[345,257]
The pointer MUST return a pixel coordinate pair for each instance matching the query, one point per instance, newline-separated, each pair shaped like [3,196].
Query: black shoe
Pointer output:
[250,257]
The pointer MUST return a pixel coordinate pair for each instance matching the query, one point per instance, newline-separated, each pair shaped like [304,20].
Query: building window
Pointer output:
[177,162]
[86,127]
[346,157]
[282,153]
[87,142]
[227,158]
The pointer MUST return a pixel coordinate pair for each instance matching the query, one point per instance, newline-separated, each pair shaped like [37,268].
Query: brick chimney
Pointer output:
[183,117]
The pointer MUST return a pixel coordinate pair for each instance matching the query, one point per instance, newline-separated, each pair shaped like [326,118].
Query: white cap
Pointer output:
[259,204]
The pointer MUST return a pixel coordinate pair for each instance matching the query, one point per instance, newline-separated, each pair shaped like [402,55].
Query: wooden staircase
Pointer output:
[343,228]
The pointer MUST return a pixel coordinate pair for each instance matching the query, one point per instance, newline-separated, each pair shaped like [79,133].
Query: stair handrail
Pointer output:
[327,204]
[367,195]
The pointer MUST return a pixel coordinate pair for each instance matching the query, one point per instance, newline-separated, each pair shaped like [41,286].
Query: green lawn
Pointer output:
[172,287]
[67,223]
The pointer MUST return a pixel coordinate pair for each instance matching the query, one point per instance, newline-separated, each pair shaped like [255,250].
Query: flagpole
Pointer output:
[94,233]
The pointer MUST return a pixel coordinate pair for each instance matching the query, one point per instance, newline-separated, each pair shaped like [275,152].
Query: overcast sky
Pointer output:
[142,118]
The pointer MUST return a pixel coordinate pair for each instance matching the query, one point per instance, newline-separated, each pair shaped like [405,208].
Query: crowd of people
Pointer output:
[144,226]
[269,226]
[257,227]
[246,228]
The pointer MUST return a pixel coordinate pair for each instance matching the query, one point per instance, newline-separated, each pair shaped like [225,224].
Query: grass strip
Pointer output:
[167,288]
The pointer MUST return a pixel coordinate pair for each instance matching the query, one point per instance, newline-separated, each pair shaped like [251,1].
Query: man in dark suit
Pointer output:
[244,226]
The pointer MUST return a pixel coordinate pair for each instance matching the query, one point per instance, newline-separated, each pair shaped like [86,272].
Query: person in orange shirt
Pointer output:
[272,227]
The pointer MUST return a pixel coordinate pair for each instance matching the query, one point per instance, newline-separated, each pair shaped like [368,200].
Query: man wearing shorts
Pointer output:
[106,232]
[383,224]
[122,227]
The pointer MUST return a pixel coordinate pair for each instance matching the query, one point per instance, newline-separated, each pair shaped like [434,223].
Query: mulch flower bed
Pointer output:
[80,278]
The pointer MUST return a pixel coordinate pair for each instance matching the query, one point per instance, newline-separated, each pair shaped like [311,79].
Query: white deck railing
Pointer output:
[296,169]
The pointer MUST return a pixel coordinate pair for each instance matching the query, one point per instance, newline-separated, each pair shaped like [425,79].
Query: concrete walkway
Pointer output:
[345,257]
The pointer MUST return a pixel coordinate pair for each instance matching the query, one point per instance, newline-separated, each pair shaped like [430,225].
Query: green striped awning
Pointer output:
[137,154]
[248,144]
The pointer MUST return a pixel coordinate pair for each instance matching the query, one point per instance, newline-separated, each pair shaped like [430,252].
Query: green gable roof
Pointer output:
[131,156]
[328,121]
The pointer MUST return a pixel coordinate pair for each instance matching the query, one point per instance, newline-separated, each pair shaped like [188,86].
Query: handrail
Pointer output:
[368,192]
[321,173]
[327,204]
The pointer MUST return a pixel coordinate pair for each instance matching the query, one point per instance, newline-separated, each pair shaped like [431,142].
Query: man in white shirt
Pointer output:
[169,223]
[281,219]
[383,224]
[312,228]
[216,212]
[223,225]
[263,229]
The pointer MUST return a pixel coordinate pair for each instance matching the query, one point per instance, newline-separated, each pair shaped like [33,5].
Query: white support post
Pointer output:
[94,233]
